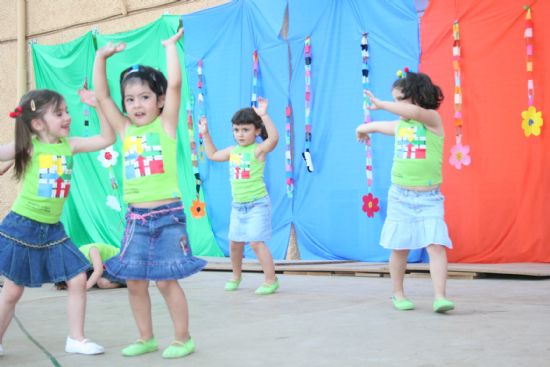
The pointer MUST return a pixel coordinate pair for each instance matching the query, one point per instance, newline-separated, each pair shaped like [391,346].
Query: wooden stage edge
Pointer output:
[367,269]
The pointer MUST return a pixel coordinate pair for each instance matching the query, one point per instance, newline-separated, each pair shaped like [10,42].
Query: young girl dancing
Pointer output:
[251,209]
[34,248]
[155,245]
[415,204]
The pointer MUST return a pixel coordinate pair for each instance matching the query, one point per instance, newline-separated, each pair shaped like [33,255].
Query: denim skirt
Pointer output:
[415,220]
[251,222]
[155,246]
[33,253]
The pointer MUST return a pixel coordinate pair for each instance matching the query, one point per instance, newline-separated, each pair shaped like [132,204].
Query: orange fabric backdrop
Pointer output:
[498,207]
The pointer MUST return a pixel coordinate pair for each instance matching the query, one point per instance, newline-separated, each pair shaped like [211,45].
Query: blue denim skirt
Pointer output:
[34,253]
[415,220]
[155,246]
[251,222]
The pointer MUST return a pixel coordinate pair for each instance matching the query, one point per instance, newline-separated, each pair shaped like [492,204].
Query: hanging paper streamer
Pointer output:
[255,73]
[108,158]
[197,207]
[200,106]
[86,97]
[532,120]
[307,60]
[288,152]
[459,153]
[370,203]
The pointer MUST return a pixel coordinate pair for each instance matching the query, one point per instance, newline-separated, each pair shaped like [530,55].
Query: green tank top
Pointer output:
[105,251]
[46,182]
[246,174]
[150,172]
[418,155]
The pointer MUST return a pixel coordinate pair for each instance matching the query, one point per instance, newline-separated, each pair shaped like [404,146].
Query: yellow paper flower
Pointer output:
[532,121]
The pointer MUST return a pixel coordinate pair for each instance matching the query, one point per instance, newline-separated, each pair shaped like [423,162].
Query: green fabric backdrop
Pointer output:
[64,68]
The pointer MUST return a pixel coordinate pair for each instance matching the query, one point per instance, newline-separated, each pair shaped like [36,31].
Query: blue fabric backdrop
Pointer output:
[327,205]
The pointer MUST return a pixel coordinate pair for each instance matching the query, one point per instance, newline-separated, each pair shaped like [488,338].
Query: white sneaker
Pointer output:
[1,350]
[83,347]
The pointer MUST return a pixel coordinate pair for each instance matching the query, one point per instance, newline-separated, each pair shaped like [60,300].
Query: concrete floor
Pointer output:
[311,321]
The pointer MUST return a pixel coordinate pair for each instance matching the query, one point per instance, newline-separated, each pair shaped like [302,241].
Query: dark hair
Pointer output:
[247,116]
[154,79]
[420,89]
[33,105]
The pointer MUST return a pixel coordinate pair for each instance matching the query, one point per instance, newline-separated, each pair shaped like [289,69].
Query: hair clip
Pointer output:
[402,73]
[16,112]
[33,106]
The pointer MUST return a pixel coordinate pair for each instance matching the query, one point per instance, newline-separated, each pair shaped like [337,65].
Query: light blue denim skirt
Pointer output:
[33,253]
[155,246]
[251,222]
[415,219]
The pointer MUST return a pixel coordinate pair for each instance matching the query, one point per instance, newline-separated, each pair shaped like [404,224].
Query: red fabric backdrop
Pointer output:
[498,208]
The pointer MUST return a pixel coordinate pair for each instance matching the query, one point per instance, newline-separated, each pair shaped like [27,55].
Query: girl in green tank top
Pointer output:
[34,248]
[251,210]
[415,206]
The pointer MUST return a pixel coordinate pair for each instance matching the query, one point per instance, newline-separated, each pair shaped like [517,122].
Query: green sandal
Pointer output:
[403,304]
[442,305]
[267,288]
[232,284]
[140,347]
[179,349]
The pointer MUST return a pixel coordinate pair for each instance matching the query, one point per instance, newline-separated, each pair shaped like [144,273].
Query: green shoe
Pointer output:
[442,305]
[268,288]
[403,304]
[140,347]
[179,349]
[232,284]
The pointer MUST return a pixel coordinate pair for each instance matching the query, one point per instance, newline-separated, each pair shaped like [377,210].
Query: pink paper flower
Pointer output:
[460,156]
[370,205]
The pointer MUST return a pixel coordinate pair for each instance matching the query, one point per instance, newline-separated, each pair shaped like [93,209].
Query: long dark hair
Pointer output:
[152,77]
[33,105]
[247,116]
[420,89]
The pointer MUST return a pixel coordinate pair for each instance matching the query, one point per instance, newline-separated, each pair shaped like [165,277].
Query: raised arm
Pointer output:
[97,265]
[272,134]
[170,112]
[409,111]
[211,151]
[117,120]
[106,135]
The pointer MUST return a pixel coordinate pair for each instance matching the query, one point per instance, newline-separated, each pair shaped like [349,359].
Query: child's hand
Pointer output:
[362,136]
[174,39]
[203,126]
[88,97]
[374,101]
[261,110]
[110,49]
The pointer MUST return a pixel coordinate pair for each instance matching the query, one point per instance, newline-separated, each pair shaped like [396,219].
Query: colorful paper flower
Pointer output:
[108,157]
[532,121]
[460,156]
[198,209]
[370,205]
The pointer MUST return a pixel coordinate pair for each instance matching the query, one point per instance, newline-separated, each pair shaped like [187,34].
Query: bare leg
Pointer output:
[438,269]
[76,306]
[10,295]
[177,305]
[237,259]
[105,283]
[398,265]
[140,301]
[266,261]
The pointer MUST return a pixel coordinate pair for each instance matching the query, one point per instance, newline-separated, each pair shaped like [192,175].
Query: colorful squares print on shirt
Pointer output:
[411,143]
[54,175]
[239,166]
[143,156]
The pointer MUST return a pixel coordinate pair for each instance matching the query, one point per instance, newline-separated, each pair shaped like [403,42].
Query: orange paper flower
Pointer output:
[198,209]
